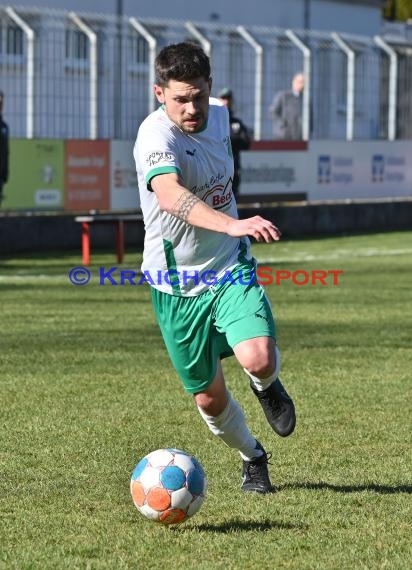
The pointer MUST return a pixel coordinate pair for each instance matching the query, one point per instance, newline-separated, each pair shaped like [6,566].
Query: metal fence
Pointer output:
[69,75]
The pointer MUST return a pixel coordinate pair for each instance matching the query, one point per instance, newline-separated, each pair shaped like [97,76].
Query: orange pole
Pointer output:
[120,241]
[86,243]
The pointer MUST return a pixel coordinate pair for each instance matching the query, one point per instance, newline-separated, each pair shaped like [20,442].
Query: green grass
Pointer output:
[87,389]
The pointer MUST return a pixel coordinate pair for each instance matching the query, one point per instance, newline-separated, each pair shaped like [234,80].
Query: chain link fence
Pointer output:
[90,76]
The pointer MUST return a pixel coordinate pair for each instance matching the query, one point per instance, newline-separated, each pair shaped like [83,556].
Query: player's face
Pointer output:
[186,104]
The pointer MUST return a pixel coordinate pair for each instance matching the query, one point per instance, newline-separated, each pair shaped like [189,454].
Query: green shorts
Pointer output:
[200,330]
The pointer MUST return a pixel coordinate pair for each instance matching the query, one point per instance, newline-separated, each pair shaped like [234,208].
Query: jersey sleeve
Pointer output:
[156,151]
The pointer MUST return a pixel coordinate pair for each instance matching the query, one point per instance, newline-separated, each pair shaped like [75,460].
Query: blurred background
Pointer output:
[77,81]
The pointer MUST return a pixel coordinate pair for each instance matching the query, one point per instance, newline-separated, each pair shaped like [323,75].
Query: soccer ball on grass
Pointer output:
[168,486]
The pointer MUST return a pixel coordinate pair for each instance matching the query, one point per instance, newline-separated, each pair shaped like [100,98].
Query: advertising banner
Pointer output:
[359,169]
[273,173]
[124,193]
[87,175]
[36,178]
[330,170]
[84,175]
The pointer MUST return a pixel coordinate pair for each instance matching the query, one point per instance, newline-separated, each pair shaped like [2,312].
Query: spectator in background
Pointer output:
[286,111]
[239,137]
[4,149]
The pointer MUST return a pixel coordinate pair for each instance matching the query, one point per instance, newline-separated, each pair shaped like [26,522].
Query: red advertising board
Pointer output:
[87,175]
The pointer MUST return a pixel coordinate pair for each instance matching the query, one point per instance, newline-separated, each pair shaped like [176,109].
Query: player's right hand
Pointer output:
[257,227]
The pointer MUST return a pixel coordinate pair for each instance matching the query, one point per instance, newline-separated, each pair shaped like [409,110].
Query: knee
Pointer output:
[211,404]
[259,362]
[260,365]
[205,402]
[260,369]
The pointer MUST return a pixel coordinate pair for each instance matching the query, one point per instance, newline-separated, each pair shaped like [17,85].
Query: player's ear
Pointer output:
[159,93]
[210,81]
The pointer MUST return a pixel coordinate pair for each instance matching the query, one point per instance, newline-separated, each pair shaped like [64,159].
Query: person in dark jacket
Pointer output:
[239,137]
[286,111]
[4,149]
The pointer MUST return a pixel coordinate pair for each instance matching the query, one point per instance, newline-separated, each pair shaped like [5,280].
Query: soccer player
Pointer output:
[208,304]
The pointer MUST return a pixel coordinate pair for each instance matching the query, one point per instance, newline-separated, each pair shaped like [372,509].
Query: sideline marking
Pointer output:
[340,254]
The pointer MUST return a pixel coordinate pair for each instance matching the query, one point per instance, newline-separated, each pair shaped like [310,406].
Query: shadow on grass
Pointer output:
[373,487]
[236,526]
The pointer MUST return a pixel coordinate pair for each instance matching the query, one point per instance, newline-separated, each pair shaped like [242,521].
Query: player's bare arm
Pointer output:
[184,206]
[181,203]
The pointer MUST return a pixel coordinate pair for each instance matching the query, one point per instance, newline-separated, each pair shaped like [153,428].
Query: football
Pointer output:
[168,486]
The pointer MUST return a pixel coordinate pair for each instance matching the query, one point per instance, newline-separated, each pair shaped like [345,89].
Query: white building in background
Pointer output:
[75,69]
[362,17]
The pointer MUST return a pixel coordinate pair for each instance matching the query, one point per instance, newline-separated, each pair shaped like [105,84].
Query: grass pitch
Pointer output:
[87,389]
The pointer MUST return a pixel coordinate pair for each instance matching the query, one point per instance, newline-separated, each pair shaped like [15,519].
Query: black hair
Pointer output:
[181,62]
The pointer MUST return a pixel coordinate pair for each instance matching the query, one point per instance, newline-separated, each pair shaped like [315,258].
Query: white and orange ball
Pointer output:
[168,486]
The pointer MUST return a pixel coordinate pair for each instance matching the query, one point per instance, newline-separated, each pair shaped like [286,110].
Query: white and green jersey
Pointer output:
[178,258]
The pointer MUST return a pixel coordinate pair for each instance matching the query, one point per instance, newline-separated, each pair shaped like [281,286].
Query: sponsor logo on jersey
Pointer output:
[219,196]
[157,156]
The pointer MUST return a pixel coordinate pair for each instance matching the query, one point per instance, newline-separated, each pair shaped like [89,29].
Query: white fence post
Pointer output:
[204,42]
[152,43]
[30,69]
[92,37]
[307,73]
[258,80]
[393,85]
[350,90]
